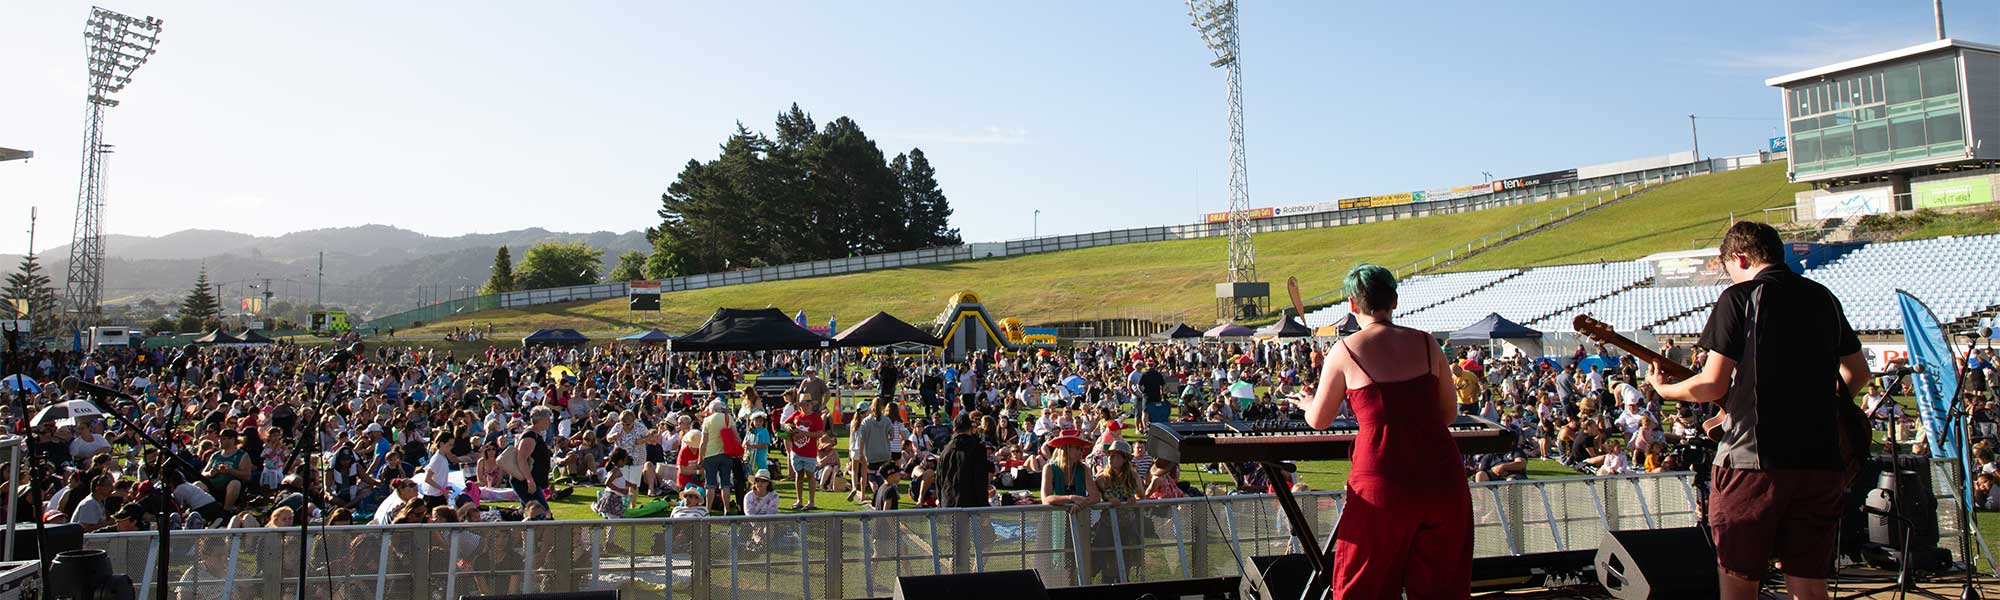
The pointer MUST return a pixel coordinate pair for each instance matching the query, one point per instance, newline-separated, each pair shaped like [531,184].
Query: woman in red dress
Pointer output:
[1407,527]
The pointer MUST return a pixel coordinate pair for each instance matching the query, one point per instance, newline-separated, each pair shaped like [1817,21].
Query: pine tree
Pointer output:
[29,285]
[201,303]
[926,209]
[631,266]
[502,278]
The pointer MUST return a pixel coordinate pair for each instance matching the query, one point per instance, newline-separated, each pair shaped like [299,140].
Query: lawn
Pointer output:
[1682,215]
[1166,280]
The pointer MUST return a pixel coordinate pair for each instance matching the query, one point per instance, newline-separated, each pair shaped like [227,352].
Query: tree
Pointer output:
[161,325]
[809,193]
[925,208]
[558,264]
[631,266]
[502,278]
[200,303]
[29,286]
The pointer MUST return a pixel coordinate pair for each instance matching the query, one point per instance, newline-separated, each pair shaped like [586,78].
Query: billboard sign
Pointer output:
[1251,214]
[1850,204]
[1778,144]
[1534,180]
[1953,192]
[1392,199]
[643,295]
[1304,209]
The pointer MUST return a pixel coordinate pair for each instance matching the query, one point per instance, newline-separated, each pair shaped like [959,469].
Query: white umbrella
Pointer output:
[65,411]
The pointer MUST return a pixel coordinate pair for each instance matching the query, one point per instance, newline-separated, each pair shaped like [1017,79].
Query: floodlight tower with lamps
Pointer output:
[118,45]
[1242,296]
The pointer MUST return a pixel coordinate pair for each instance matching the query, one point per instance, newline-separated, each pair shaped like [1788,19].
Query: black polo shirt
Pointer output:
[1787,335]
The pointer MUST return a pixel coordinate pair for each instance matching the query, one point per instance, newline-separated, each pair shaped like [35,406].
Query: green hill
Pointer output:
[1175,280]
[1683,215]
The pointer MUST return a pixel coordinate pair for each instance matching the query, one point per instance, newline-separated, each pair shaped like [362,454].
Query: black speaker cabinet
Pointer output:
[1656,563]
[991,585]
[1285,574]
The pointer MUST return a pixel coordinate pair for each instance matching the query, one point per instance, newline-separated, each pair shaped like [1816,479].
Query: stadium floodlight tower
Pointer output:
[1242,296]
[118,45]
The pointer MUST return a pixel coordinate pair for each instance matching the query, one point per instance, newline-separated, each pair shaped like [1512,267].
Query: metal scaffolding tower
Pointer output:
[1241,296]
[118,45]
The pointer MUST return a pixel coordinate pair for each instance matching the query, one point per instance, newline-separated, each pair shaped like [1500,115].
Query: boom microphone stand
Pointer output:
[171,465]
[307,449]
[1962,418]
[14,366]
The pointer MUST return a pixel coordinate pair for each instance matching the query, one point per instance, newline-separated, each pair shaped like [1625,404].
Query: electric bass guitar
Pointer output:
[1602,333]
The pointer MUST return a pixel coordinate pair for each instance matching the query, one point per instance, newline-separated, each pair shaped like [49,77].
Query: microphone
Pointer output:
[73,385]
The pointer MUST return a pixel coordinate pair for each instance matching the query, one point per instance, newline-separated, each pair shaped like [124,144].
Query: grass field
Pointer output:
[1173,278]
[1680,216]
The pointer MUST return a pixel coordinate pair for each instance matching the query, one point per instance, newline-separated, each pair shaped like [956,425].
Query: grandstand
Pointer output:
[1532,294]
[1954,275]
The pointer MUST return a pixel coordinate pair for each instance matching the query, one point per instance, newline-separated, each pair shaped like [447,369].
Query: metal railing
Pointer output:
[853,555]
[835,556]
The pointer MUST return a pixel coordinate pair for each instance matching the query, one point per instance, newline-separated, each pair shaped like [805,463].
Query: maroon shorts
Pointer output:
[1792,514]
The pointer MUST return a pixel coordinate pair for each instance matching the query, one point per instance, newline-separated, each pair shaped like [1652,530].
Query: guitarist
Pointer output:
[1777,344]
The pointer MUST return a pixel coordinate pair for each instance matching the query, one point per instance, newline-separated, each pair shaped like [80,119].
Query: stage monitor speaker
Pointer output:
[62,538]
[1656,563]
[597,595]
[1285,575]
[991,585]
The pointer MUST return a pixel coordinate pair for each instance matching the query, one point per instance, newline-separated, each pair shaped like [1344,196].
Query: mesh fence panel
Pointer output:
[860,555]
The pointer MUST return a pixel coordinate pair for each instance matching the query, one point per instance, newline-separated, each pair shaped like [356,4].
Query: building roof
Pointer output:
[1872,59]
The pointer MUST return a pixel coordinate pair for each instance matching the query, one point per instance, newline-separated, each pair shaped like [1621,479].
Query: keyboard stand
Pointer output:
[1319,586]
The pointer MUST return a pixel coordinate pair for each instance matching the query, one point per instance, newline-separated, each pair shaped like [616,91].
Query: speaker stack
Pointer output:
[991,585]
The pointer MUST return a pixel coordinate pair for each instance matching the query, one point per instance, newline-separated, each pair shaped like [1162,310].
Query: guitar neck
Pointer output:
[1646,355]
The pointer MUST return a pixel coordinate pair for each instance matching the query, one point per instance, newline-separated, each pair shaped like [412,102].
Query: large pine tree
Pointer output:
[200,302]
[808,193]
[29,284]
[501,279]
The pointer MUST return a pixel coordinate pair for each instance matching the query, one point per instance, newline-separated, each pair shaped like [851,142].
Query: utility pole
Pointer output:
[265,310]
[320,289]
[1937,13]
[1697,138]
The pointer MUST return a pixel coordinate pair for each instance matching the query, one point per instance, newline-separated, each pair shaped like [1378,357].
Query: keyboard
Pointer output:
[1292,439]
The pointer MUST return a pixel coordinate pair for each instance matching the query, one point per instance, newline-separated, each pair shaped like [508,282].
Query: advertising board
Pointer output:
[1534,180]
[1251,214]
[1853,203]
[1952,192]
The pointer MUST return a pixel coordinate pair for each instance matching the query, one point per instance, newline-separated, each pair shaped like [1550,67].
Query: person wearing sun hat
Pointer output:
[763,497]
[1118,485]
[1067,483]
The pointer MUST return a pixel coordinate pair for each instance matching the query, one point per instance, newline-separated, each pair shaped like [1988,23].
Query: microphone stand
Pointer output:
[14,367]
[306,449]
[1962,418]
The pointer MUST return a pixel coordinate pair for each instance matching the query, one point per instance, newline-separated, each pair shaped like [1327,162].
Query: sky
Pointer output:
[460,117]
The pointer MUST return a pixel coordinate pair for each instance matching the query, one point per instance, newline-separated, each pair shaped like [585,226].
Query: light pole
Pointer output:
[7,154]
[1037,230]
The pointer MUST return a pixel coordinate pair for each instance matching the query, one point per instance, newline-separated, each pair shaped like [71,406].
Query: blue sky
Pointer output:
[456,117]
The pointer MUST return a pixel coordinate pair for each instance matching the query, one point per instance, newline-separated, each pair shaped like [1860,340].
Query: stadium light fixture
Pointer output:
[7,154]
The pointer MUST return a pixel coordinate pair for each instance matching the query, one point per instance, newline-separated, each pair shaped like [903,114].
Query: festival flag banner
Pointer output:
[1937,385]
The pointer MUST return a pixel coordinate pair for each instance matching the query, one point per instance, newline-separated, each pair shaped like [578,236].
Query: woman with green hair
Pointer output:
[1407,528]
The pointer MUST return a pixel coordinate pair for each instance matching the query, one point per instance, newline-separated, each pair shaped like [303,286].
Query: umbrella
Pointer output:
[65,411]
[20,383]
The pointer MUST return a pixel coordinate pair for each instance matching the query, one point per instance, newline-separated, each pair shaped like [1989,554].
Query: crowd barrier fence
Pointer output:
[834,556]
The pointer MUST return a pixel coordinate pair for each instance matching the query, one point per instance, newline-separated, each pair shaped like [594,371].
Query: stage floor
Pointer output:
[1852,581]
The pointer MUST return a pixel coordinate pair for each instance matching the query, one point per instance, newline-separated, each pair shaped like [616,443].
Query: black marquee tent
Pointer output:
[250,336]
[217,337]
[1495,327]
[739,329]
[555,337]
[1179,332]
[881,329]
[1288,328]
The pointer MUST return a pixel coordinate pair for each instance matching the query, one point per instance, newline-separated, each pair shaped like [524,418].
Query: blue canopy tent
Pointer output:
[650,336]
[1497,328]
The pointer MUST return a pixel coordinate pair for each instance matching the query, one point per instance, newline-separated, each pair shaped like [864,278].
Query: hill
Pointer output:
[374,269]
[1159,280]
[1682,215]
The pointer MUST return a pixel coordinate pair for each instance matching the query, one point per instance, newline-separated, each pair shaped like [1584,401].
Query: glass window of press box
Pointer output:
[1878,116]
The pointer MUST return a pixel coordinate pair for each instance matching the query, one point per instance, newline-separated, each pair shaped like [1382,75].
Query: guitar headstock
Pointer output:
[1590,327]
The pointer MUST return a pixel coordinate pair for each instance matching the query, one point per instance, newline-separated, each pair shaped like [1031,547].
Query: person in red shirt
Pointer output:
[806,427]
[688,461]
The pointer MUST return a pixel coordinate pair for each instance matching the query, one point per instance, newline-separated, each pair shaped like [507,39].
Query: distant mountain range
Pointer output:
[373,269]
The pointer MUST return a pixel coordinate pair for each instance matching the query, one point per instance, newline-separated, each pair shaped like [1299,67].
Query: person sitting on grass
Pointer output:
[691,503]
